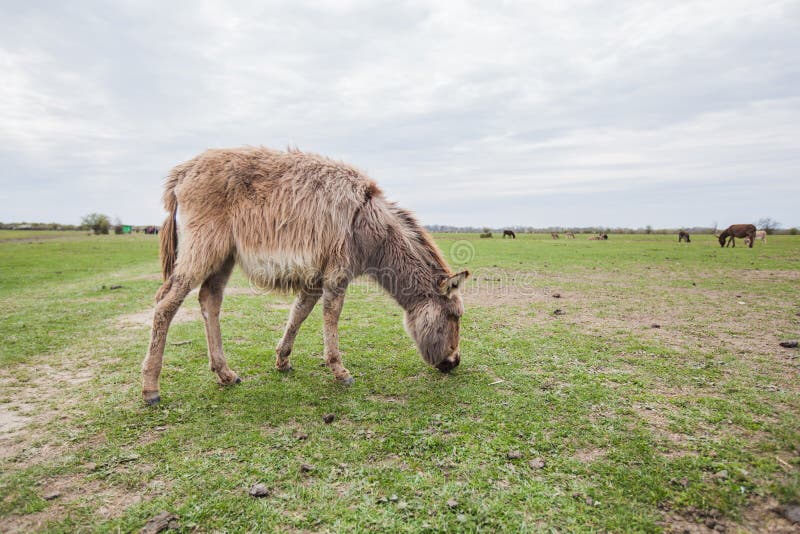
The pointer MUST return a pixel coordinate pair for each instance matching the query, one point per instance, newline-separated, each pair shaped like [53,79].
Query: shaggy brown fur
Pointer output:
[684,236]
[554,235]
[299,222]
[509,233]
[737,230]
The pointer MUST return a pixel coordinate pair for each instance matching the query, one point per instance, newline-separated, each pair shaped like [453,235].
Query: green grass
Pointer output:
[636,425]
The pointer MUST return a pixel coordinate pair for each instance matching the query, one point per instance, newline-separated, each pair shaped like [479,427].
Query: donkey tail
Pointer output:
[169,231]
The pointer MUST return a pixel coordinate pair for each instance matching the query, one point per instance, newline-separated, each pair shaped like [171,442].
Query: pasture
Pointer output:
[629,384]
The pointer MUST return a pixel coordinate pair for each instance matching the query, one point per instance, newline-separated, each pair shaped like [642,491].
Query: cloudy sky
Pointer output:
[486,113]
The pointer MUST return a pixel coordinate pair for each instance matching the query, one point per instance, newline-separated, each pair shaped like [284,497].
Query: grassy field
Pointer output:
[629,385]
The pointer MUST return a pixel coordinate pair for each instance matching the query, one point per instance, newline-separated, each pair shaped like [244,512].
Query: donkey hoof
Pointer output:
[286,368]
[347,381]
[152,398]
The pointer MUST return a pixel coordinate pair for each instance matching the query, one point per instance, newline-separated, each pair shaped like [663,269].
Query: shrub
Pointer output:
[97,223]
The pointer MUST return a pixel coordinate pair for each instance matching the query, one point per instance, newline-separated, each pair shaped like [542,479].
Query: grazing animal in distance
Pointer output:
[600,237]
[683,236]
[301,222]
[570,235]
[509,233]
[737,230]
[762,235]
[554,235]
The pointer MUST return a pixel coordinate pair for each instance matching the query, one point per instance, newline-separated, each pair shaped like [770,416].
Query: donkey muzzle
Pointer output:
[450,363]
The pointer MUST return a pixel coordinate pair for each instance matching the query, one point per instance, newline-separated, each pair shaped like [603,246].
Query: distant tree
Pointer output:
[648,229]
[792,231]
[768,225]
[97,223]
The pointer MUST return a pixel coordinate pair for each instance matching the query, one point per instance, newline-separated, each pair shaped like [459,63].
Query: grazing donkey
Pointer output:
[762,235]
[570,235]
[683,236]
[553,235]
[509,233]
[300,222]
[737,230]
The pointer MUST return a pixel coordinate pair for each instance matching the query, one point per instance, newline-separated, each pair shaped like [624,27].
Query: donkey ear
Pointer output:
[451,283]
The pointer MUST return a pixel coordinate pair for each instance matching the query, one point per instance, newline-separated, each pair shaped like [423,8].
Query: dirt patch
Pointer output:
[587,456]
[759,516]
[145,318]
[107,502]
[32,395]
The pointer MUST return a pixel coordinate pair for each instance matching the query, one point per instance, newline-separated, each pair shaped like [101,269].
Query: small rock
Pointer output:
[722,475]
[161,522]
[790,512]
[328,418]
[536,463]
[789,344]
[589,501]
[452,503]
[306,468]
[393,497]
[514,455]
[402,505]
[556,295]
[259,490]
[558,311]
[49,495]
[300,436]
[655,325]
[114,287]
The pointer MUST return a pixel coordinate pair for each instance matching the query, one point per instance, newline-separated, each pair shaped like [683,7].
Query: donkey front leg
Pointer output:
[332,302]
[170,296]
[303,304]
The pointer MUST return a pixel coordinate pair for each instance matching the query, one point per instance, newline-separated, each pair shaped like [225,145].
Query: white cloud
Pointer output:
[515,100]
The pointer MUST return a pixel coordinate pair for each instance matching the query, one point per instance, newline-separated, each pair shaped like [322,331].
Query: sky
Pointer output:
[607,113]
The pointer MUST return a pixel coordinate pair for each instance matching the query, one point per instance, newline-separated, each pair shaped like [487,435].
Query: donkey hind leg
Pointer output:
[211,293]
[332,302]
[170,297]
[303,304]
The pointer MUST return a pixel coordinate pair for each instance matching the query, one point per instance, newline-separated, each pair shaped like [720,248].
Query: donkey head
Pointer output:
[722,238]
[434,324]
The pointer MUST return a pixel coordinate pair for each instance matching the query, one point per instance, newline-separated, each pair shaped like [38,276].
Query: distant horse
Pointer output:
[554,235]
[569,235]
[762,235]
[683,236]
[600,237]
[738,230]
[509,233]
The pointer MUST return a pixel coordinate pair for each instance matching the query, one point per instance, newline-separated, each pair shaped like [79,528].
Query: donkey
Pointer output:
[300,222]
[762,236]
[509,233]
[553,235]
[569,235]
[737,230]
[683,236]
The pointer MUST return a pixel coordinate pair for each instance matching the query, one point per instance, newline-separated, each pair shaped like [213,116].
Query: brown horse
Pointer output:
[683,236]
[509,233]
[737,230]
[300,222]
[554,235]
